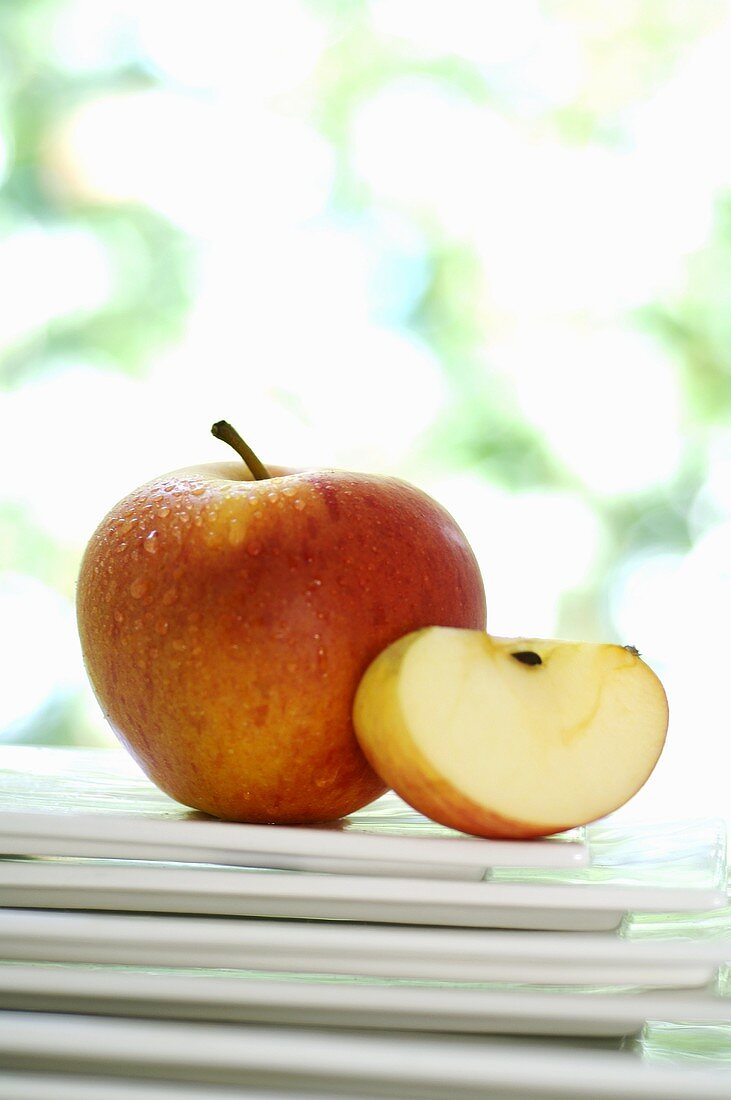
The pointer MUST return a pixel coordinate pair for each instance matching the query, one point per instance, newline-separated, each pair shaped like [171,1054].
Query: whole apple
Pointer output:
[226,618]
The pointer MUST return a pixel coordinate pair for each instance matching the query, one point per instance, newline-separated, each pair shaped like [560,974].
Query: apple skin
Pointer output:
[225,624]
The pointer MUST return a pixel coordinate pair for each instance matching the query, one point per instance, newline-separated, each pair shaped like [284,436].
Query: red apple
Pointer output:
[226,622]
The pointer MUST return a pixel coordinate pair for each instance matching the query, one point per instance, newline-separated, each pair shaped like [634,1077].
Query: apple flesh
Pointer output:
[510,737]
[226,622]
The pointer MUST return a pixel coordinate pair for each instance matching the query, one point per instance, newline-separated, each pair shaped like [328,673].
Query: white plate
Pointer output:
[445,954]
[327,1062]
[350,1002]
[97,803]
[42,1086]
[227,891]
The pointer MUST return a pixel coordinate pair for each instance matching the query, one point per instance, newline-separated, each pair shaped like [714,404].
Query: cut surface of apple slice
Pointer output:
[510,737]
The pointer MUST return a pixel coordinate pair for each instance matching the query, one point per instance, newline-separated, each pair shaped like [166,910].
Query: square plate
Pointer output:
[328,1063]
[678,868]
[98,803]
[20,1085]
[638,955]
[337,1001]
[123,885]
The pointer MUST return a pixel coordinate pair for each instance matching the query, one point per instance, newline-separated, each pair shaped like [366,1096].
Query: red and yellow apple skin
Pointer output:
[226,623]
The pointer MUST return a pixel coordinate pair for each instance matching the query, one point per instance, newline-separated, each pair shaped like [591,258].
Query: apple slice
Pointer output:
[510,737]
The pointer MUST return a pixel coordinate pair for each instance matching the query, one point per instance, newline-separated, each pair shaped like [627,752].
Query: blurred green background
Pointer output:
[485,247]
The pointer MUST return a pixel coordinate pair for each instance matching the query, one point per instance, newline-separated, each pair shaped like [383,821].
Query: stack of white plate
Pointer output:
[146,950]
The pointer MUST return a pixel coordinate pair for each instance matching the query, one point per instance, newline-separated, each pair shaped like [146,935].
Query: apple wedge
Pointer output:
[510,737]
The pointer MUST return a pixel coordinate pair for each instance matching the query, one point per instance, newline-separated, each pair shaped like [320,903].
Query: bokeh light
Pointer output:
[483,247]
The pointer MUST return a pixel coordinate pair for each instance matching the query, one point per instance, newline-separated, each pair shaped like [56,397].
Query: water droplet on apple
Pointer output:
[299,504]
[118,617]
[150,543]
[198,520]
[137,589]
[161,627]
[316,582]
[236,533]
[254,549]
[122,546]
[198,491]
[273,496]
[164,511]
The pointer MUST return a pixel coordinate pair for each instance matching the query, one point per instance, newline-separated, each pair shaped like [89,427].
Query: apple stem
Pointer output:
[223,430]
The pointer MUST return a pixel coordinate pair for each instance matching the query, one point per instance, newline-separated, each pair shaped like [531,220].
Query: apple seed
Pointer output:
[527,657]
